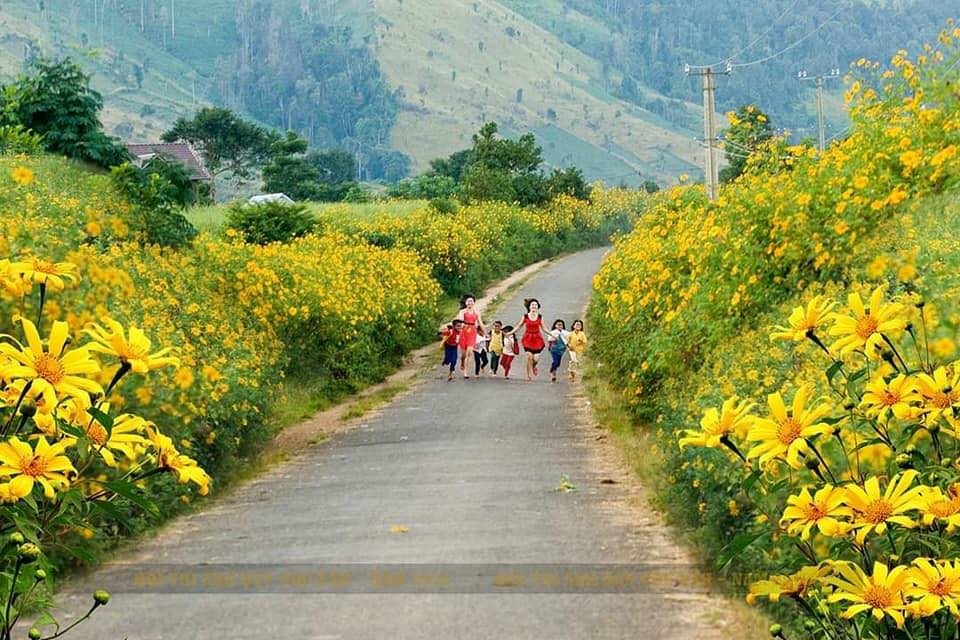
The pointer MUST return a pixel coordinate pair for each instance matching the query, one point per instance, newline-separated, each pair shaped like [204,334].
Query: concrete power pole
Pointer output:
[711,166]
[821,124]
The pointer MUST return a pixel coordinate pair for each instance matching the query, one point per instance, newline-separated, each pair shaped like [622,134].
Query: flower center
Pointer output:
[944,508]
[788,431]
[129,352]
[941,400]
[878,511]
[866,326]
[44,266]
[890,398]
[34,466]
[97,433]
[941,588]
[49,368]
[814,512]
[878,596]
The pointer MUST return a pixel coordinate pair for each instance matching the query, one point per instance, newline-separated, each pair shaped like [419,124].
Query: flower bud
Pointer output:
[101,597]
[947,462]
[776,630]
[28,409]
[910,448]
[849,405]
[15,538]
[28,552]
[904,461]
[40,574]
[809,625]
[34,634]
[812,463]
[933,428]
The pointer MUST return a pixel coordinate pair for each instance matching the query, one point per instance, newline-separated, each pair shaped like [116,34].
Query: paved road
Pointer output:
[470,470]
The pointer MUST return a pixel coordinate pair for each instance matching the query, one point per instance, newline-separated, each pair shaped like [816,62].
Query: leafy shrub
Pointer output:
[425,187]
[161,189]
[270,221]
[18,139]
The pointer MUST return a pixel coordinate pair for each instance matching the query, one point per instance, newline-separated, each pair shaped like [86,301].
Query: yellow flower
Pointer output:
[933,586]
[911,159]
[937,506]
[866,328]
[899,397]
[46,465]
[879,594]
[184,378]
[795,585]
[135,350]
[169,459]
[45,272]
[873,510]
[803,321]
[861,181]
[53,371]
[941,393]
[732,417]
[22,175]
[822,509]
[943,155]
[126,436]
[784,435]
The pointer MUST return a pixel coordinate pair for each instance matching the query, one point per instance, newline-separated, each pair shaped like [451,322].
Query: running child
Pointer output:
[496,346]
[557,345]
[480,353]
[510,351]
[576,343]
[450,334]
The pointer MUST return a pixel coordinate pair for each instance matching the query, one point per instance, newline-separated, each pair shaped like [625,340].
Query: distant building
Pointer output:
[270,197]
[181,152]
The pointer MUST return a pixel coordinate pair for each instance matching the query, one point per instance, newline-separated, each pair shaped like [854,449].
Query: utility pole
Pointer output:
[821,124]
[711,169]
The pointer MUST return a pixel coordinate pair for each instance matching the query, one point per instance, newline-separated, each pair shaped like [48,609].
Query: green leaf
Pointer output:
[129,491]
[735,548]
[869,443]
[833,370]
[111,510]
[750,480]
[103,419]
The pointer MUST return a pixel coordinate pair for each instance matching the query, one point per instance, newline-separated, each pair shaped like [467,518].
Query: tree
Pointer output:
[227,142]
[504,169]
[749,129]
[307,176]
[55,100]
[569,181]
[453,166]
[650,186]
[159,191]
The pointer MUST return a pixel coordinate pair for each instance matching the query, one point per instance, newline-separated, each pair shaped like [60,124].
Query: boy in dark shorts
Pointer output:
[451,341]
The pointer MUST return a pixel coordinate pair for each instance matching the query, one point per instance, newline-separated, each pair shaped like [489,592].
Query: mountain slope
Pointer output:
[459,64]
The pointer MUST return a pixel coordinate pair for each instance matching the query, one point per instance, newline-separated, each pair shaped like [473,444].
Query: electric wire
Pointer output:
[765,33]
[791,46]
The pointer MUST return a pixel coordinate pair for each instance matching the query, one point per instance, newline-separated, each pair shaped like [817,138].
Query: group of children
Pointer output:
[498,349]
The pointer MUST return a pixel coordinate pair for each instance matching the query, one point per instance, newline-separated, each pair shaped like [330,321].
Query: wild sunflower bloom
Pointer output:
[45,272]
[879,594]
[899,397]
[126,437]
[934,586]
[803,321]
[12,281]
[733,417]
[131,347]
[823,510]
[46,464]
[54,371]
[169,459]
[22,175]
[873,510]
[795,585]
[784,433]
[940,392]
[866,328]
[937,506]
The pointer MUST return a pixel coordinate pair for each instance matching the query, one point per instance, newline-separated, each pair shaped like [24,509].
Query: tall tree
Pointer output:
[749,129]
[227,142]
[504,169]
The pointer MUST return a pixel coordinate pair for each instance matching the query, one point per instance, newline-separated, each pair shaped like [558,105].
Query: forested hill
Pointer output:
[649,41]
[398,82]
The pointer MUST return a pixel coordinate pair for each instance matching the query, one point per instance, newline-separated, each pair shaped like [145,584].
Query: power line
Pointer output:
[795,44]
[752,42]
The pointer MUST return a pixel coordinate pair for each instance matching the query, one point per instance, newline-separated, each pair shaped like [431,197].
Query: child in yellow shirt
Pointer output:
[576,343]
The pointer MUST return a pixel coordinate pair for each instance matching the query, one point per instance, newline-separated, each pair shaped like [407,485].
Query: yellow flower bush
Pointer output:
[837,275]
[68,462]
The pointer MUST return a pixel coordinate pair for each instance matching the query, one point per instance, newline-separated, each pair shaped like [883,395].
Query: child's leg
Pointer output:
[477,355]
[574,365]
[484,360]
[494,362]
[555,361]
[506,361]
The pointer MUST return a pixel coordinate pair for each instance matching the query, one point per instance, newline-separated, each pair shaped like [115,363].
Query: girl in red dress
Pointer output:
[468,335]
[533,333]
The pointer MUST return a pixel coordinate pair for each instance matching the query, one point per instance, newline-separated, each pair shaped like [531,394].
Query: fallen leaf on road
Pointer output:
[399,528]
[565,485]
